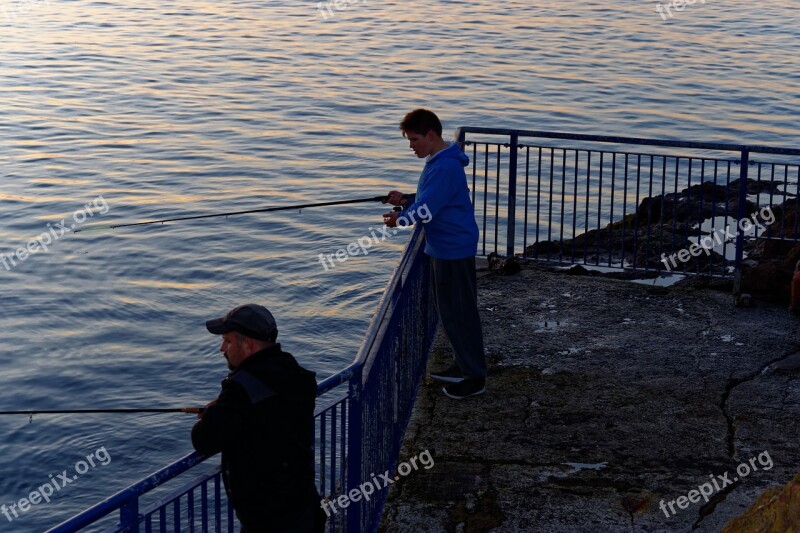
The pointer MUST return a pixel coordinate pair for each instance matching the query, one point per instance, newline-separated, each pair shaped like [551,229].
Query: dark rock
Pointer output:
[769,280]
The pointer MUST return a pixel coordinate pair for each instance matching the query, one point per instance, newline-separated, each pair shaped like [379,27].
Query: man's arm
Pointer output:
[222,421]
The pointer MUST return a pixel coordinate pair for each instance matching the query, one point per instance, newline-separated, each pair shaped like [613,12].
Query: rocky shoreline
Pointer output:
[666,225]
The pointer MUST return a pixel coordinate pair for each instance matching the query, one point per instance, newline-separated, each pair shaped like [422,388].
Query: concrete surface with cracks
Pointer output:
[604,398]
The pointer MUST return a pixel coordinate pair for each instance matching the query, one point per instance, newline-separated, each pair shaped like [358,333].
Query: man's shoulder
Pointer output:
[254,387]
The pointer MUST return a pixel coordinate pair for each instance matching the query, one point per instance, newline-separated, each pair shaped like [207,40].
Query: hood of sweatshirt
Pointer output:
[452,151]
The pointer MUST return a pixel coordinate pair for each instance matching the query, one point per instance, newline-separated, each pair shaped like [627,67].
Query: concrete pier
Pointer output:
[605,399]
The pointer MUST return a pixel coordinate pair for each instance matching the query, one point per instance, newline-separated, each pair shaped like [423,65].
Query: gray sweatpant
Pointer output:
[456,293]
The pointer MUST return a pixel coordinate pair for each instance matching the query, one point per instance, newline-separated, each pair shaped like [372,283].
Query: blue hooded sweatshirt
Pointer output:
[443,204]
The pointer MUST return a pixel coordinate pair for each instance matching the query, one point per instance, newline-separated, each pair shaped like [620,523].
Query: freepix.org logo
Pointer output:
[55,484]
[363,244]
[365,490]
[54,232]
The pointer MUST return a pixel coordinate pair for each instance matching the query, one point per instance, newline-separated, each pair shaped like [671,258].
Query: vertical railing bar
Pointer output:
[689,201]
[575,204]
[563,199]
[649,217]
[343,441]
[538,202]
[743,170]
[511,217]
[190,510]
[333,455]
[771,194]
[550,205]
[586,214]
[485,191]
[129,515]
[785,199]
[497,201]
[625,210]
[204,506]
[231,526]
[636,216]
[713,214]
[675,205]
[176,515]
[323,450]
[474,170]
[354,470]
[525,224]
[727,212]
[700,217]
[217,503]
[661,211]
[599,205]
[611,211]
[797,202]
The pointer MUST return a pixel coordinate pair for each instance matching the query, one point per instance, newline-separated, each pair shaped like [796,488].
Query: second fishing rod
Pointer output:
[382,199]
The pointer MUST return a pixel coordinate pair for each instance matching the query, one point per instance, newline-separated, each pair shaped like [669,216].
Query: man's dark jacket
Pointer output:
[263,423]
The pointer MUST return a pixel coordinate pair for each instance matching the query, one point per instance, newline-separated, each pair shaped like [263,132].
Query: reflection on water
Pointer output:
[188,107]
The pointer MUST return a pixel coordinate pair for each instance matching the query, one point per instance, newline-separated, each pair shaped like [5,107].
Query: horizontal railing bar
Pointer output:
[623,152]
[630,140]
[181,491]
[339,378]
[331,407]
[113,503]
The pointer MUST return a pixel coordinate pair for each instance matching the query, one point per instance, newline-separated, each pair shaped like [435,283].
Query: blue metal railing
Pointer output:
[358,434]
[592,199]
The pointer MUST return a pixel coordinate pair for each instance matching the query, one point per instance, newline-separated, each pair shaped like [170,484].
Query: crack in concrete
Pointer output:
[708,508]
[732,384]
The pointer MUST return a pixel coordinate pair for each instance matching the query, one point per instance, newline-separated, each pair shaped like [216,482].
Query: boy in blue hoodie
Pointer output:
[451,241]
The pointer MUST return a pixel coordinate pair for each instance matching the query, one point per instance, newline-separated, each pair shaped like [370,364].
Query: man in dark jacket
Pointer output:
[263,423]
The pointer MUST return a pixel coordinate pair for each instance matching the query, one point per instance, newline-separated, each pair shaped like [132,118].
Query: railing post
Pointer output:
[512,194]
[355,454]
[129,516]
[737,276]
[460,136]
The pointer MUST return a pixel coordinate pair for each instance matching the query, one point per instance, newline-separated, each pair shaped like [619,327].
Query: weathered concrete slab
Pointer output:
[605,397]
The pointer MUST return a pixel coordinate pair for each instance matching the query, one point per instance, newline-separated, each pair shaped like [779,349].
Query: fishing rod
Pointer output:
[193,410]
[247,212]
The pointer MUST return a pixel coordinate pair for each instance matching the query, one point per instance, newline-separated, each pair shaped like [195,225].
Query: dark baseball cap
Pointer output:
[251,320]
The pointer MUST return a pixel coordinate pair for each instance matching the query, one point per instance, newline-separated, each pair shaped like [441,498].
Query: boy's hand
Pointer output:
[390,219]
[395,198]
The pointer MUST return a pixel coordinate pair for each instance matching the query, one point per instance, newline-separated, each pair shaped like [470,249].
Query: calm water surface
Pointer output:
[191,107]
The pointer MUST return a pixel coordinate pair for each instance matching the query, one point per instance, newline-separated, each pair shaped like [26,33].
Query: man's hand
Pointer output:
[390,219]
[395,198]
[205,409]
